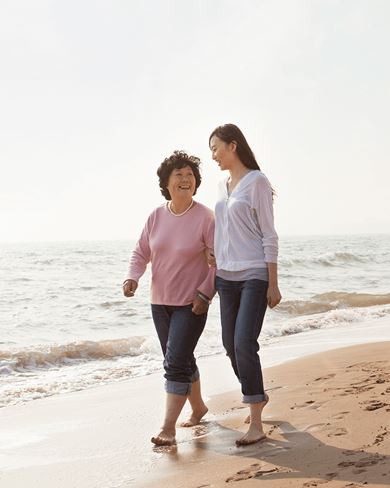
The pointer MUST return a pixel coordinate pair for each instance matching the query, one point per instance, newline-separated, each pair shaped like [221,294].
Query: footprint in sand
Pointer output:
[330,476]
[325,390]
[350,453]
[362,463]
[339,416]
[313,427]
[381,436]
[311,404]
[199,431]
[358,389]
[253,471]
[374,405]
[326,377]
[369,461]
[337,432]
[346,464]
[314,483]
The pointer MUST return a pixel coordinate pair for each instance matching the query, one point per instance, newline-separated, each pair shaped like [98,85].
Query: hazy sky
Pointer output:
[94,94]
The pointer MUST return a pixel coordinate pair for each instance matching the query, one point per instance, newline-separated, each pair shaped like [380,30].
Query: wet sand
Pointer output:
[327,423]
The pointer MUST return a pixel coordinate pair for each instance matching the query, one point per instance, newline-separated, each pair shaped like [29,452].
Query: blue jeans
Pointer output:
[243,305]
[178,330]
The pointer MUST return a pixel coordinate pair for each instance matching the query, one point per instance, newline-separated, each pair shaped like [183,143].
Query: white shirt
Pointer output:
[245,236]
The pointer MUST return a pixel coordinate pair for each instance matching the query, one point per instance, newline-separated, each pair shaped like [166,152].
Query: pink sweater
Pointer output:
[176,248]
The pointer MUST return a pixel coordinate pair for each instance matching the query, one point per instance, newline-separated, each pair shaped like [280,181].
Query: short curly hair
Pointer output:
[177,160]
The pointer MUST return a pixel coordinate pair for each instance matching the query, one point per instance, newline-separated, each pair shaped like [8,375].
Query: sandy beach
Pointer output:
[327,422]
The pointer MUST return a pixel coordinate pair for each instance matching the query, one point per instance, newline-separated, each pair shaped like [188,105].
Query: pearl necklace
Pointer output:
[180,214]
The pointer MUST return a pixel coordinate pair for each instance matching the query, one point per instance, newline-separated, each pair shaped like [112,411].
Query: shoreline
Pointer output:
[274,350]
[100,437]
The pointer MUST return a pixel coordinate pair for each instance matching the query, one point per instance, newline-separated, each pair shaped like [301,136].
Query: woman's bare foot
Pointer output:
[248,419]
[174,405]
[254,434]
[195,418]
[164,438]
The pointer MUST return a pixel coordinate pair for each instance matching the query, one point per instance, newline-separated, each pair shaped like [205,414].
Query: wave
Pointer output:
[333,318]
[327,259]
[77,352]
[115,303]
[324,302]
[44,371]
[313,313]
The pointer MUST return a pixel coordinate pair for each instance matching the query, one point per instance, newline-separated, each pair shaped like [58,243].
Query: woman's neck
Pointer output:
[179,205]
[236,173]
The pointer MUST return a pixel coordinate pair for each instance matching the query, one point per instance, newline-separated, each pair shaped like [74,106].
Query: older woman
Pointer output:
[175,239]
[246,250]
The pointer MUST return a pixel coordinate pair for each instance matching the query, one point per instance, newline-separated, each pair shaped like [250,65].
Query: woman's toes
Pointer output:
[164,439]
[195,418]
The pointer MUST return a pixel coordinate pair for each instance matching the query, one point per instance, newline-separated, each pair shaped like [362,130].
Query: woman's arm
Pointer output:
[262,202]
[207,287]
[140,258]
[264,207]
[273,293]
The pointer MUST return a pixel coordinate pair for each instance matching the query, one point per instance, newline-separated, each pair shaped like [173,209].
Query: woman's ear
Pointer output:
[233,146]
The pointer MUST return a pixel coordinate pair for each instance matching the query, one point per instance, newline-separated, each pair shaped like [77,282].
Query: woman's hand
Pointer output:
[129,287]
[210,258]
[199,306]
[273,295]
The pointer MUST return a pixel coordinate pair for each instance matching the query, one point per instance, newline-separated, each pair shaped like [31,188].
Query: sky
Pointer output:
[95,94]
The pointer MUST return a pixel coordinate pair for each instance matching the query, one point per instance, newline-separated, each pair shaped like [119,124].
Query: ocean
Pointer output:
[65,325]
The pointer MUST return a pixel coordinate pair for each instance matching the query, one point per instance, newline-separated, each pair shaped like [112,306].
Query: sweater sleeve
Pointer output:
[141,254]
[207,287]
[263,205]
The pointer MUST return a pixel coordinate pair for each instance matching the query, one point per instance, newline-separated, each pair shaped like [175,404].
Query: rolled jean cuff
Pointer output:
[177,388]
[195,376]
[255,398]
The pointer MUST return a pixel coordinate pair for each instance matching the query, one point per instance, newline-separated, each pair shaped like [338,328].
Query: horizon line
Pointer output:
[127,239]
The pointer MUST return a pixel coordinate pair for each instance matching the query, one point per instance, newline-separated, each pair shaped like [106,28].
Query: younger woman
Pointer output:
[246,250]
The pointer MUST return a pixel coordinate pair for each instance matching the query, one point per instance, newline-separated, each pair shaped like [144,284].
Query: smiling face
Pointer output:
[223,153]
[181,183]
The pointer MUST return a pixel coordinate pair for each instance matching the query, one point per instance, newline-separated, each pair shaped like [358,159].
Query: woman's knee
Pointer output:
[229,346]
[245,348]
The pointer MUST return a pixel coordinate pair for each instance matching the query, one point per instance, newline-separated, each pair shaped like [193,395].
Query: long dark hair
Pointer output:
[231,133]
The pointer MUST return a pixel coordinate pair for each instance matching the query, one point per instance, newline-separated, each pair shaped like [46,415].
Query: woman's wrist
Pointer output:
[203,297]
[272,274]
